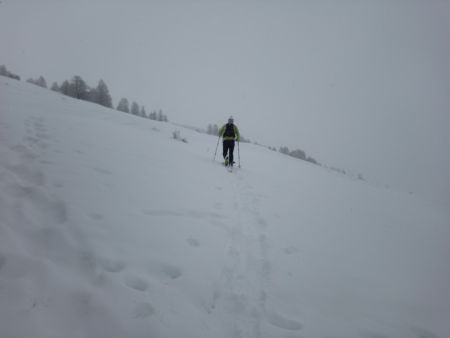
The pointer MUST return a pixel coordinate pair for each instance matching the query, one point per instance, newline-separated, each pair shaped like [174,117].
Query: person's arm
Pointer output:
[236,131]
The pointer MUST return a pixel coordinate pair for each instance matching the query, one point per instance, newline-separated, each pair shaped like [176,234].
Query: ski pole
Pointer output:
[217,146]
[239,155]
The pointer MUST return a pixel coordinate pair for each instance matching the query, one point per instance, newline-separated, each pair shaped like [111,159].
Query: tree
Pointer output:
[55,87]
[78,88]
[123,105]
[143,113]
[297,153]
[159,117]
[3,70]
[134,108]
[284,150]
[101,95]
[41,82]
[65,88]
[312,160]
[215,130]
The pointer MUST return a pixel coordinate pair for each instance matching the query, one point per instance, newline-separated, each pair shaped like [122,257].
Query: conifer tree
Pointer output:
[41,82]
[134,108]
[143,113]
[78,88]
[55,87]
[102,95]
[123,106]
[65,88]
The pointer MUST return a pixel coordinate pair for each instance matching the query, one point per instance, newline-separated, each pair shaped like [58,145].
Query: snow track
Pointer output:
[244,279]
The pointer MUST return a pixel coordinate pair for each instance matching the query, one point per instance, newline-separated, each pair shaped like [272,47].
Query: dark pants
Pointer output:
[228,148]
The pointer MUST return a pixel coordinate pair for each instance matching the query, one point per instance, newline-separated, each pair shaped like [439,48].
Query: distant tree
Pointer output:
[312,160]
[101,95]
[284,150]
[41,82]
[78,88]
[143,113]
[55,87]
[123,105]
[152,115]
[65,88]
[93,95]
[134,108]
[160,115]
[38,82]
[5,72]
[297,153]
[215,130]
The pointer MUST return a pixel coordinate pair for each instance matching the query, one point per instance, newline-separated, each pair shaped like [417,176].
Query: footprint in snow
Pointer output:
[137,283]
[282,322]
[262,223]
[143,310]
[164,271]
[24,152]
[193,242]
[113,266]
[27,174]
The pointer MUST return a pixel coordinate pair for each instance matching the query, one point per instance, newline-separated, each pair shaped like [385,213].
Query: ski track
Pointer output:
[247,272]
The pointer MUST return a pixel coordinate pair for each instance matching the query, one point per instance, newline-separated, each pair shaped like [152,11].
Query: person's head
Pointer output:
[230,120]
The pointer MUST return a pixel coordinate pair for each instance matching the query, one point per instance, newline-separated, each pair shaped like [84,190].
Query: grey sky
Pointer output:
[362,85]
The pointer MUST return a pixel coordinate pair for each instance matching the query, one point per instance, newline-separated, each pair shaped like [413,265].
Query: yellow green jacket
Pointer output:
[236,133]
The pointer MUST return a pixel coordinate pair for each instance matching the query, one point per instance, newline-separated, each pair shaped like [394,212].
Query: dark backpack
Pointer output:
[229,131]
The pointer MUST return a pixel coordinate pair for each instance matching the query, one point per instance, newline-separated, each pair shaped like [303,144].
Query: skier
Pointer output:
[229,133]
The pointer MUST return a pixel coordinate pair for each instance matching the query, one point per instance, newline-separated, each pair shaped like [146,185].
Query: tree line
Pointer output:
[79,89]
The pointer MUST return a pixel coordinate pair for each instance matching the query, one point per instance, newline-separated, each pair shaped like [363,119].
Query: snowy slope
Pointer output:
[111,228]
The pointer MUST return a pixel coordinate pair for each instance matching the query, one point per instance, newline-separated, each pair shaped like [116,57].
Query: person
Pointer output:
[229,133]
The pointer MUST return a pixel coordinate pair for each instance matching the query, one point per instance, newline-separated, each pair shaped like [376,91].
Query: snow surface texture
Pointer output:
[111,228]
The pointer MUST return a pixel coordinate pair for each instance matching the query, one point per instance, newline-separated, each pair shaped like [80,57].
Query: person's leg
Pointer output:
[231,152]
[225,149]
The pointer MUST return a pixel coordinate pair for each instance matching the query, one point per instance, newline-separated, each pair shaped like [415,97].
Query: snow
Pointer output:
[111,228]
